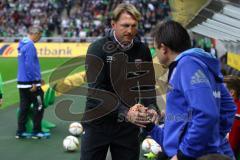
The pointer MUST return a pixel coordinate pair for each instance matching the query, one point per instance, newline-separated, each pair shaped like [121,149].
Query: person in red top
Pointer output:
[233,84]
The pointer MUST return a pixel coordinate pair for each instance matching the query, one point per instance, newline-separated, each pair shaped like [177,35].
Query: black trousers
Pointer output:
[121,137]
[26,99]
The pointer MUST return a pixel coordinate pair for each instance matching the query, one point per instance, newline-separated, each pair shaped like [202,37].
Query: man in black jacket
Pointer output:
[121,90]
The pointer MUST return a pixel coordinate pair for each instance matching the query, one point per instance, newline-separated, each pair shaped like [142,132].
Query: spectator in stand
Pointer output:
[59,16]
[233,84]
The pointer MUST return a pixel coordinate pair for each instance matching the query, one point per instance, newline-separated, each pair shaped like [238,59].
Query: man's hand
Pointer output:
[42,82]
[34,88]
[138,115]
[227,136]
[174,158]
[153,115]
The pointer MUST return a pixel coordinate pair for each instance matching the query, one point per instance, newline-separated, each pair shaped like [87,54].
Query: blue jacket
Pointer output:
[29,71]
[199,109]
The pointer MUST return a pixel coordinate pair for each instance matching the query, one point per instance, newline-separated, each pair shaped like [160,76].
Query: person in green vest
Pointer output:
[1,91]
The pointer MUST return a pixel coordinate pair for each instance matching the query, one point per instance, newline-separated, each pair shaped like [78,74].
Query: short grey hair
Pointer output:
[34,30]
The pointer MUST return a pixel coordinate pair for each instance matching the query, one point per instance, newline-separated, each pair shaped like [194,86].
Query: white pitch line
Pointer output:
[15,80]
[44,72]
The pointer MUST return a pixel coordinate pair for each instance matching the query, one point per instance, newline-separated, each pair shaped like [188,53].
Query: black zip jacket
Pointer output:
[119,78]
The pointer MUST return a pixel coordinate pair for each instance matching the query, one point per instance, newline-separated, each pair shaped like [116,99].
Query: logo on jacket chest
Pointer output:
[109,59]
[199,77]
[217,94]
[138,63]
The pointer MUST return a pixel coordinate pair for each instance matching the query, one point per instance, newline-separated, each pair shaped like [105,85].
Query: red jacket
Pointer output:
[234,135]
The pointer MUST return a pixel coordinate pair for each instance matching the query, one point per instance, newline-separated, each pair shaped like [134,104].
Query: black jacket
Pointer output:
[117,77]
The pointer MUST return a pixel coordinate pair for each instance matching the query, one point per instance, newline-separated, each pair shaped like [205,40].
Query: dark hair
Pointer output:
[214,157]
[173,35]
[233,82]
[224,72]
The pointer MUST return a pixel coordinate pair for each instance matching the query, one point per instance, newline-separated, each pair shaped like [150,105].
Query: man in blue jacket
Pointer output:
[200,110]
[29,84]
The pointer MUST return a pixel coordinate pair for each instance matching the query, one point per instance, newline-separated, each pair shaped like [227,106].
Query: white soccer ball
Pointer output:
[156,149]
[150,145]
[146,144]
[75,128]
[70,143]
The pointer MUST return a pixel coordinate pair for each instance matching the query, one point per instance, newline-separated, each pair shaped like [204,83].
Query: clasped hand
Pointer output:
[141,116]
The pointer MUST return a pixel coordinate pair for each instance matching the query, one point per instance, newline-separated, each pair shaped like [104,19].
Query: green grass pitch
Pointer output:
[8,70]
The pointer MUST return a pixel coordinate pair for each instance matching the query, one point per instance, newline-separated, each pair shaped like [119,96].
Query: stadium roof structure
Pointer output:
[219,19]
[184,11]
